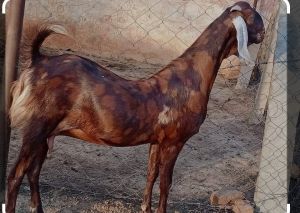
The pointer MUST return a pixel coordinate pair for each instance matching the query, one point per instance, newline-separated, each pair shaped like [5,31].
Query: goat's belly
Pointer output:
[119,141]
[79,134]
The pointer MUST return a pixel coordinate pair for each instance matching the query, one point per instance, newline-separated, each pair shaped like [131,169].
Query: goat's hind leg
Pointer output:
[33,175]
[15,177]
[32,154]
[153,165]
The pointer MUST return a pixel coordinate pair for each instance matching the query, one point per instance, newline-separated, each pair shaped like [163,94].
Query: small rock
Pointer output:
[26,188]
[225,197]
[74,169]
[242,206]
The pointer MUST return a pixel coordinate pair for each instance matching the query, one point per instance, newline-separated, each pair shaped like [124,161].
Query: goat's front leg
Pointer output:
[153,164]
[168,156]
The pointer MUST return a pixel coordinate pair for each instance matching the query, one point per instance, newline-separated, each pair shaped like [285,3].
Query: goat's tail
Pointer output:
[24,104]
[33,39]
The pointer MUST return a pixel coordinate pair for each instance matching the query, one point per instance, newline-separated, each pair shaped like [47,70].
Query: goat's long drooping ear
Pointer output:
[242,39]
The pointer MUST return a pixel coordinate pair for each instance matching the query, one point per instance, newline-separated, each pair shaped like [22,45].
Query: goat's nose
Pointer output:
[260,36]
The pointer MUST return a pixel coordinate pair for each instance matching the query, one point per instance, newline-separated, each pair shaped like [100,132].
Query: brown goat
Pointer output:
[73,96]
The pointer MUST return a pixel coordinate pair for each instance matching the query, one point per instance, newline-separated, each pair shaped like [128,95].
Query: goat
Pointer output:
[73,96]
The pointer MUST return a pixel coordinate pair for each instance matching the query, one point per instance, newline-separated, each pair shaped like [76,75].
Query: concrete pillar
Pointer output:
[272,183]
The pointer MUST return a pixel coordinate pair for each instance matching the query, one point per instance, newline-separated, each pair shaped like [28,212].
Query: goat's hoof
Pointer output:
[148,211]
[145,209]
[32,209]
[49,155]
[36,209]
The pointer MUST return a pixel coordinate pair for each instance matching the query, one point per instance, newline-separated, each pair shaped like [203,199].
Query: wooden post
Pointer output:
[255,3]
[13,36]
[266,79]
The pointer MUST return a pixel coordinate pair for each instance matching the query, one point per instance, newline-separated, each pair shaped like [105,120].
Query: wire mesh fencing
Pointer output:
[135,39]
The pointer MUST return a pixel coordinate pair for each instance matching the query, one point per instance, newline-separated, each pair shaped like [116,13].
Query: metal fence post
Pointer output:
[13,35]
[2,108]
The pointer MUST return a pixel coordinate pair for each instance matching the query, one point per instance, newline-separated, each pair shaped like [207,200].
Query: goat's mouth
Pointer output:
[256,39]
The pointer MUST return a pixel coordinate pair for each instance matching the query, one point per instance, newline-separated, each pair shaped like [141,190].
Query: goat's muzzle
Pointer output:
[260,37]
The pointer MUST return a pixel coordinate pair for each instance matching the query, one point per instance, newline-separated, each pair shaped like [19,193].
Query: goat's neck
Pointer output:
[196,69]
[205,56]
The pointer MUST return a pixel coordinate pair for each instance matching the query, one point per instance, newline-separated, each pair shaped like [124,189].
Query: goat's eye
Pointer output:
[250,19]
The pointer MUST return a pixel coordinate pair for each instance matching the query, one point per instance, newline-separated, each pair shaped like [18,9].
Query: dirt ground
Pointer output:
[82,177]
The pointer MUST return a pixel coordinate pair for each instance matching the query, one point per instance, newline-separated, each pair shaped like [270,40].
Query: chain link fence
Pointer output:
[135,39]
